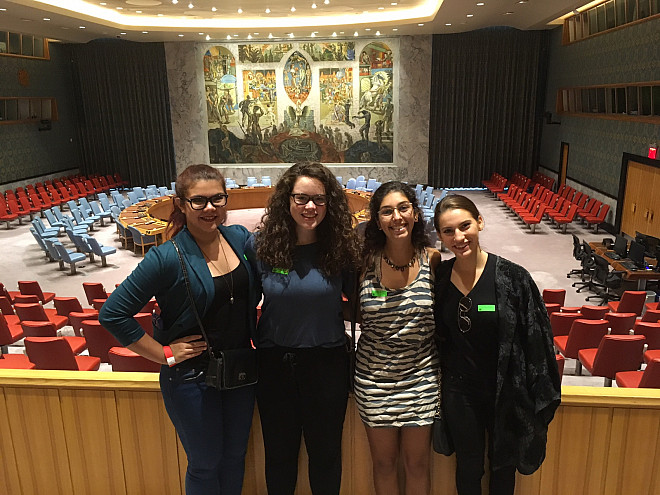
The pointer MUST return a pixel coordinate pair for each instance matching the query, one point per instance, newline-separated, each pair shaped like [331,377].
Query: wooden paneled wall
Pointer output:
[91,433]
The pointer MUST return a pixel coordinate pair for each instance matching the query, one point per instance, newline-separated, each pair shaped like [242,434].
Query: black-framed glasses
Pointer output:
[464,306]
[200,202]
[303,199]
[403,209]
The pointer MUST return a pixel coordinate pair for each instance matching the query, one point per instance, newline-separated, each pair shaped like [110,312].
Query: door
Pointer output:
[563,164]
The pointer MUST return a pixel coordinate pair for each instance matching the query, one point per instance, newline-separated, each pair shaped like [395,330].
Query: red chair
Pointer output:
[35,312]
[557,296]
[76,318]
[67,305]
[15,362]
[651,315]
[94,290]
[651,355]
[594,312]
[649,378]
[614,354]
[10,332]
[5,306]
[32,287]
[584,334]
[632,301]
[98,304]
[651,331]
[561,322]
[570,309]
[26,299]
[9,294]
[596,220]
[47,329]
[54,353]
[620,323]
[552,308]
[99,340]
[123,359]
[651,305]
[560,365]
[146,322]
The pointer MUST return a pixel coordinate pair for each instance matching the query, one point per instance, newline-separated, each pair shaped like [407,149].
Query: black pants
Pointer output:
[302,392]
[469,412]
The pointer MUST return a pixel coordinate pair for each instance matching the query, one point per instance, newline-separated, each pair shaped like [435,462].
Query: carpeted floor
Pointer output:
[547,254]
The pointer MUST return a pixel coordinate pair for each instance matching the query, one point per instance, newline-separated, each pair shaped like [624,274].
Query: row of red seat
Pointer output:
[23,316]
[497,183]
[34,198]
[544,180]
[608,342]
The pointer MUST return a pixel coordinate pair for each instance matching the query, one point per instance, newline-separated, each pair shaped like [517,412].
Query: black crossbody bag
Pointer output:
[227,369]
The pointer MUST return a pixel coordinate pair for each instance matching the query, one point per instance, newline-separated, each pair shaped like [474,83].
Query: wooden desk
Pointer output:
[150,217]
[639,276]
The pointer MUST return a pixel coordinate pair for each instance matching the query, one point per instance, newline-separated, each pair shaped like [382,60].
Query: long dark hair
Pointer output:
[338,243]
[187,179]
[374,238]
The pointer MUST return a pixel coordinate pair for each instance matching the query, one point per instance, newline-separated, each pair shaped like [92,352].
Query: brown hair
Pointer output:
[338,243]
[455,202]
[184,182]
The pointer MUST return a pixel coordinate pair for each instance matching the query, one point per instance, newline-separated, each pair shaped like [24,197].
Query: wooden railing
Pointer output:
[102,433]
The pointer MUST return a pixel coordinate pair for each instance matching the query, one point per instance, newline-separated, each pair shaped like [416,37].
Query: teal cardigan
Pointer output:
[159,274]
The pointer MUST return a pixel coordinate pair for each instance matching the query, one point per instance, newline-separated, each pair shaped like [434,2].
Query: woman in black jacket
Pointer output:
[499,372]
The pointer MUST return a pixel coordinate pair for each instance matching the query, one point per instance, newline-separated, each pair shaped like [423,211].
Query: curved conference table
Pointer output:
[150,217]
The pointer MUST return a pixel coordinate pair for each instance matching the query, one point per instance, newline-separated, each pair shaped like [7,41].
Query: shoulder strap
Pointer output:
[190,297]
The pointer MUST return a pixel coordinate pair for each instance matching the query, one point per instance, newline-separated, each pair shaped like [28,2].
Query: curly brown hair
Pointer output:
[338,242]
[374,238]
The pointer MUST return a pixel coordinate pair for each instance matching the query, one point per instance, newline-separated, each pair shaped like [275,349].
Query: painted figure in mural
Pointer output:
[364,130]
[347,109]
[230,103]
[244,107]
[379,132]
[339,142]
[254,129]
[222,110]
[269,117]
[212,106]
[349,140]
[387,118]
[365,59]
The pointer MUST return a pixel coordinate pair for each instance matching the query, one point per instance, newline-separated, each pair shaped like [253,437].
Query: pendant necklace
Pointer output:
[400,268]
[231,277]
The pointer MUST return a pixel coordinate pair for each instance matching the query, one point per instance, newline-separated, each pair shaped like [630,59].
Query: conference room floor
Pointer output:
[547,254]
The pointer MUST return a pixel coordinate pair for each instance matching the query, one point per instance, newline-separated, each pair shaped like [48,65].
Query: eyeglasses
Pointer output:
[303,199]
[403,209]
[200,202]
[464,306]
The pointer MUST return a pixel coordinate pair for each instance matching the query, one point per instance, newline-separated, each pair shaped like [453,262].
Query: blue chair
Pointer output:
[361,185]
[100,250]
[351,183]
[44,231]
[81,243]
[69,257]
[141,195]
[105,202]
[84,205]
[118,198]
[340,179]
[124,236]
[41,243]
[133,197]
[370,185]
[162,191]
[77,229]
[418,192]
[172,187]
[360,177]
[87,215]
[57,212]
[54,253]
[141,240]
[96,209]
[77,217]
[265,180]
[251,181]
[52,219]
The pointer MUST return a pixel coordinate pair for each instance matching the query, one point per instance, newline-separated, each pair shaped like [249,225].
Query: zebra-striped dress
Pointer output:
[396,372]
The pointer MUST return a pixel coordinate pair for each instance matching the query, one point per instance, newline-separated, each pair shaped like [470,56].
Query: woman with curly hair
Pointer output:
[305,253]
[396,370]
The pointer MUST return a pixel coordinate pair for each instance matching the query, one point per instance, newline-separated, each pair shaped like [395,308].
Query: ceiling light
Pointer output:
[367,29]
[235,36]
[470,15]
[120,8]
[229,36]
[480,4]
[313,35]
[46,19]
[522,1]
[191,6]
[508,13]
[291,35]
[81,27]
[201,34]
[420,24]
[334,35]
[145,32]
[326,2]
[267,11]
[208,37]
[395,29]
[175,2]
[356,33]
[293,9]
[159,15]
[377,33]
[213,9]
[122,33]
[381,8]
[3,10]
[138,11]
[256,34]
[240,11]
[394,3]
[249,36]
[448,24]
[180,36]
[313,5]
[103,3]
[270,35]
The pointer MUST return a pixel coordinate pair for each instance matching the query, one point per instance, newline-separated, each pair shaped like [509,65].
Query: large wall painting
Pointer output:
[220,85]
[302,101]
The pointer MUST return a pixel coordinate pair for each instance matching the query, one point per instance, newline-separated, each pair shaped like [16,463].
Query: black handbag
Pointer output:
[442,442]
[227,369]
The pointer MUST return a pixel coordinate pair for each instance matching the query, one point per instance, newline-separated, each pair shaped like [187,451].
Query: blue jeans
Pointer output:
[214,427]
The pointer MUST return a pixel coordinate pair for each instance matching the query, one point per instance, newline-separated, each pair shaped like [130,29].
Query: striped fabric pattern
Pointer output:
[396,372]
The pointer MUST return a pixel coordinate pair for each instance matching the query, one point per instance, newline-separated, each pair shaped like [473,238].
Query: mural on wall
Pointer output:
[337,114]
[330,52]
[259,54]
[220,85]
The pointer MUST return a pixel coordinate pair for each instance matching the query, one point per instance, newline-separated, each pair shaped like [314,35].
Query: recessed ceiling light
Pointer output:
[508,13]
[394,3]
[365,11]
[249,36]
[213,9]
[3,10]
[120,8]
[180,36]
[341,32]
[138,11]
[46,19]
[191,6]
[175,2]
[103,3]
[326,2]
[145,32]
[235,36]
[291,35]
[208,37]
[470,15]
[81,27]
[122,33]
[334,35]
[522,1]
[313,5]
[201,34]
[159,15]
[313,35]
[270,35]
[229,36]
[381,8]
[356,33]
[293,9]
[240,11]
[377,33]
[367,29]
[267,11]
[256,34]
[420,24]
[480,4]
[395,29]
[448,24]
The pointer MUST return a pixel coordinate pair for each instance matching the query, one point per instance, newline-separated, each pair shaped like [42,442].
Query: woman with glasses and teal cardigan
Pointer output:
[499,372]
[213,425]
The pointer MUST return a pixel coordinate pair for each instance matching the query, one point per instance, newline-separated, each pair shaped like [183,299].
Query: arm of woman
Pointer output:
[434,258]
[184,348]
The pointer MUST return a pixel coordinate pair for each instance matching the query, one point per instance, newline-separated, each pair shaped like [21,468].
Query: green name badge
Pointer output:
[283,271]
[245,256]
[379,293]
[486,307]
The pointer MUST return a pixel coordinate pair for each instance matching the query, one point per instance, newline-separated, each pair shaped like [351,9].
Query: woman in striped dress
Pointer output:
[396,376]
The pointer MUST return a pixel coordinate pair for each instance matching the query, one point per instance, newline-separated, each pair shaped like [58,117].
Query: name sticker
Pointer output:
[486,307]
[282,271]
[379,294]
[245,256]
